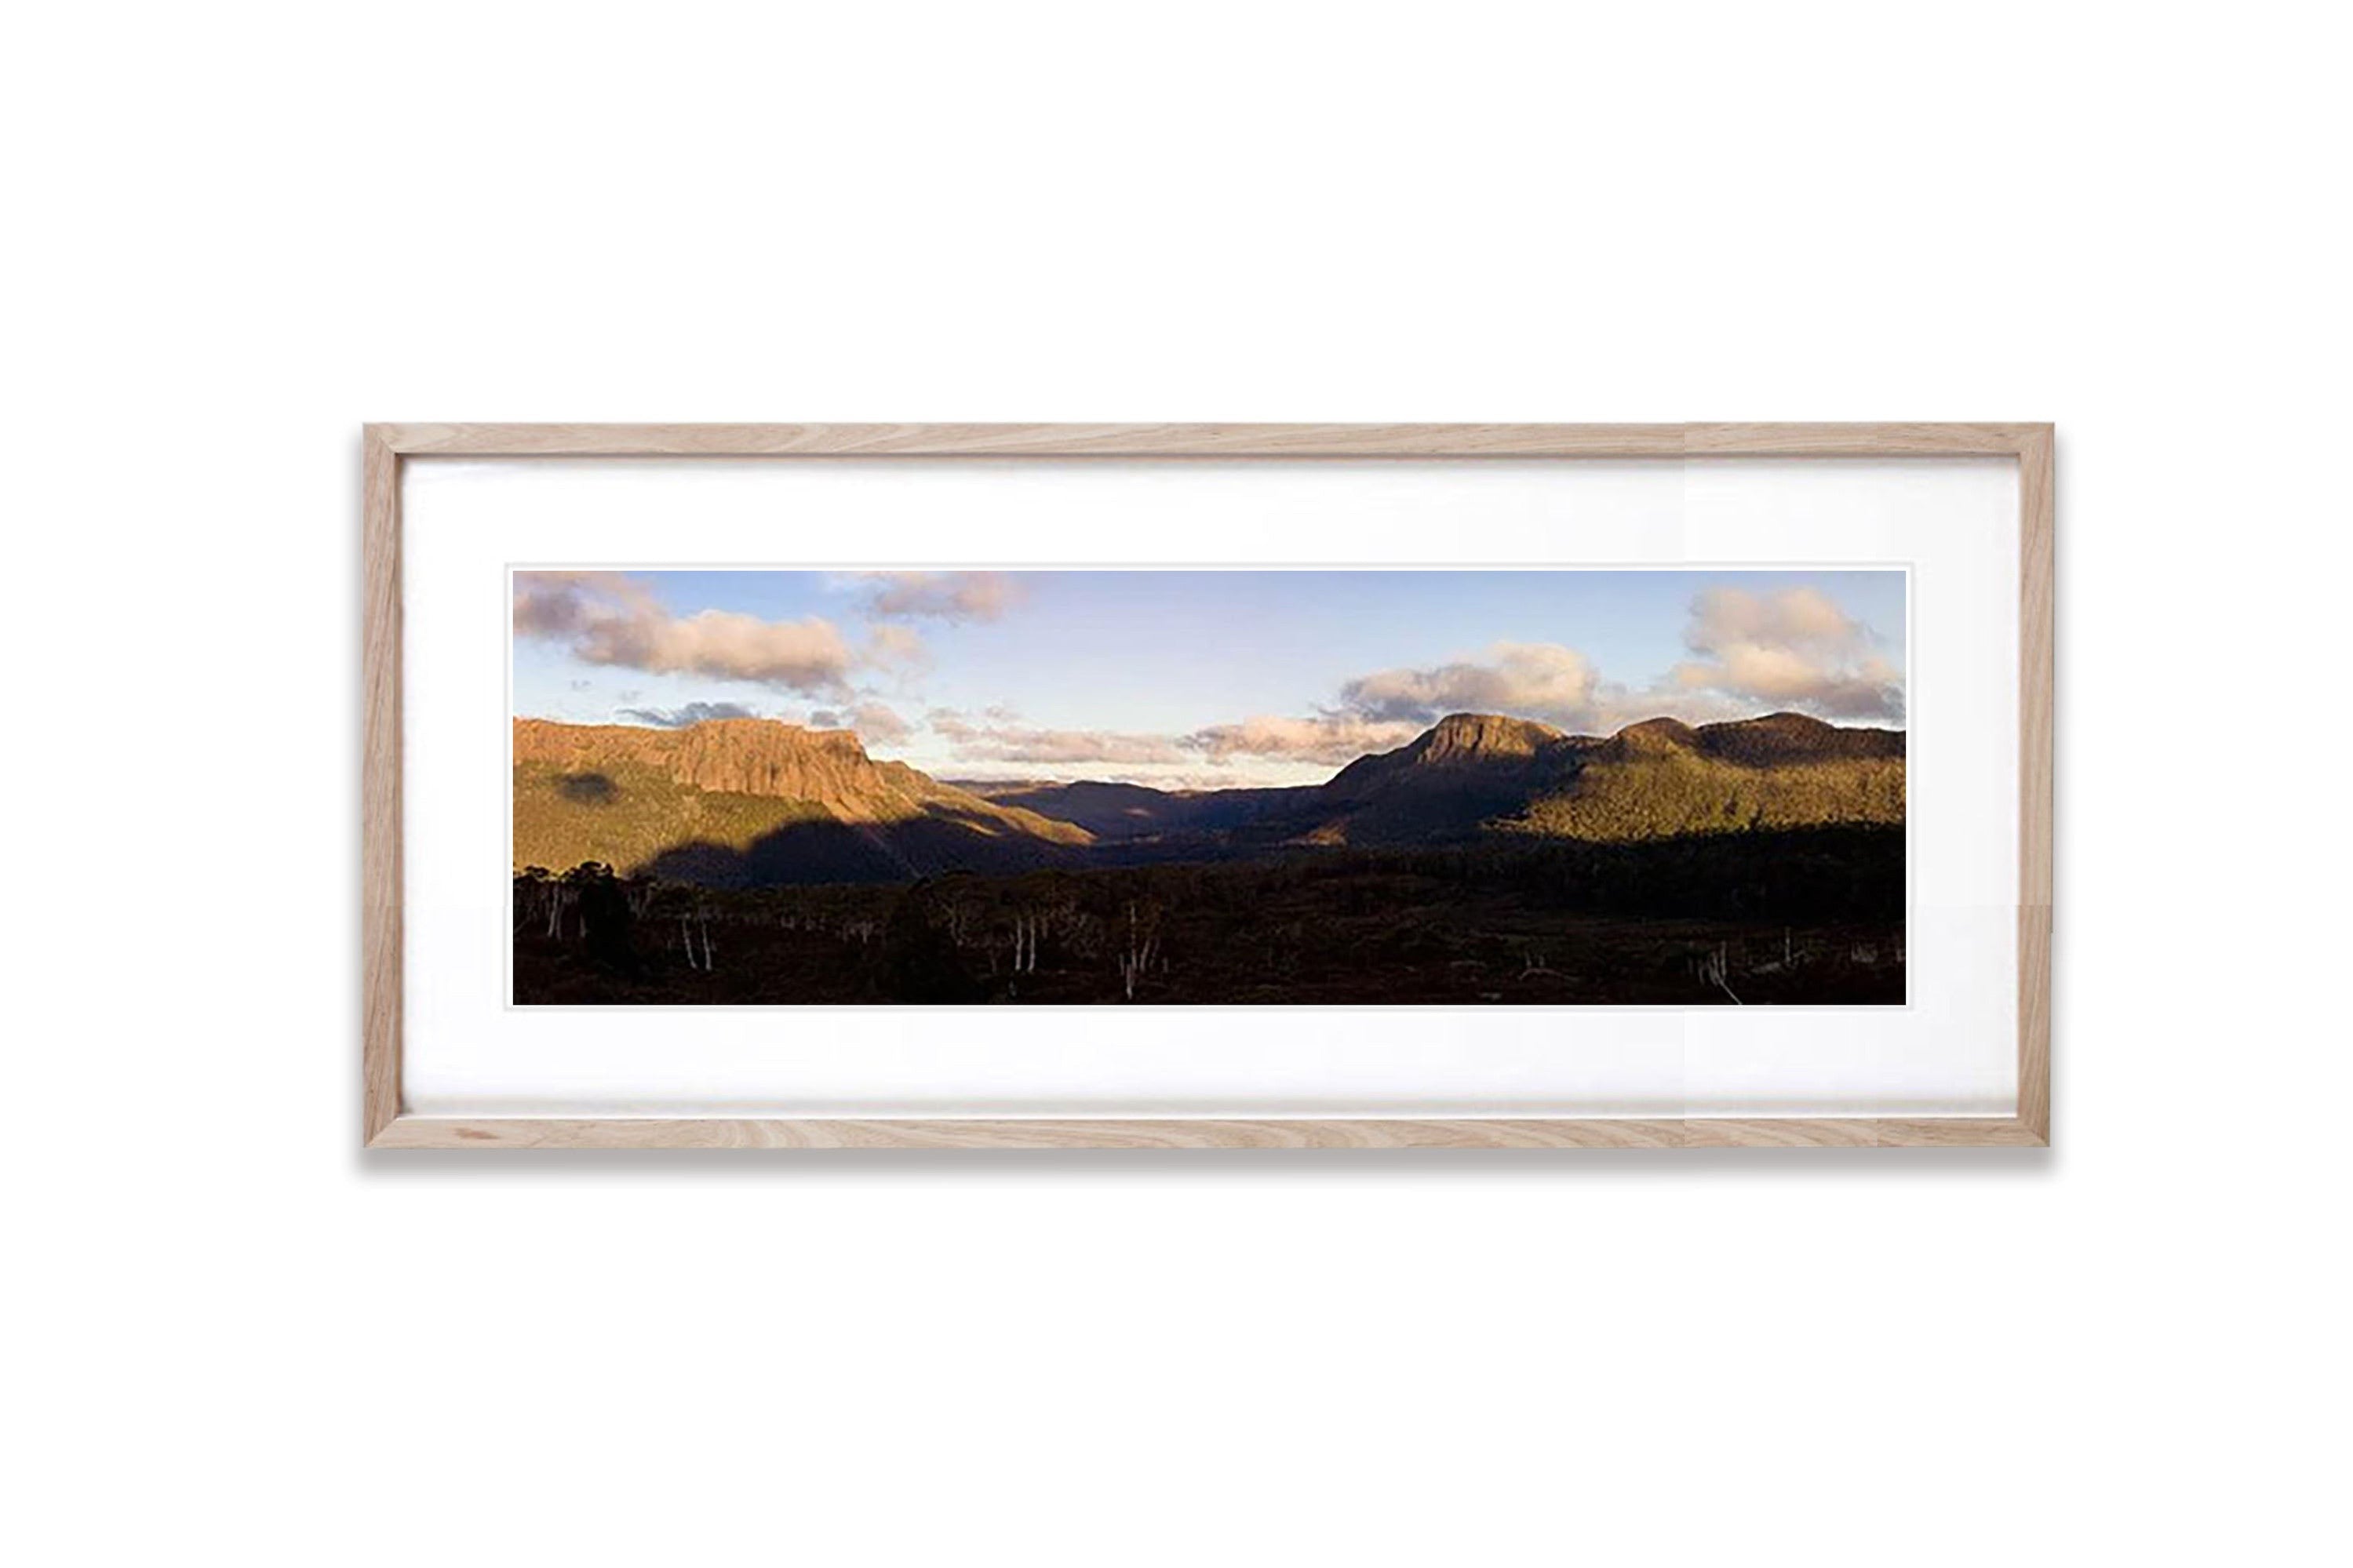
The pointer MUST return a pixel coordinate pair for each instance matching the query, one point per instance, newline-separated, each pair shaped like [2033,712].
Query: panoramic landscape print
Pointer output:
[1553,788]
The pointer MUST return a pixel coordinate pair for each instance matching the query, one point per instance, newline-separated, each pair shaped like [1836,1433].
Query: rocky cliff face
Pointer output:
[826,768]
[1477,739]
[1473,751]
[747,803]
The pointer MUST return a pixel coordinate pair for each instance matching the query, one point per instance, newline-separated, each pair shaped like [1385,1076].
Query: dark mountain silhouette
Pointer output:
[1775,740]
[1460,772]
[1115,812]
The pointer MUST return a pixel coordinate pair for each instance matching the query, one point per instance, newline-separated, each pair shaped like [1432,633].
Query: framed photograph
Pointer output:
[1052,786]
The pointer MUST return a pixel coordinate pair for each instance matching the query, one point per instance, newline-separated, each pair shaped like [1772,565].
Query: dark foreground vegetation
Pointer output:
[1810,916]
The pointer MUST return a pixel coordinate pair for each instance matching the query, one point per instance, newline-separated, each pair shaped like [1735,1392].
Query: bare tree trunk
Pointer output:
[1138,960]
[1712,969]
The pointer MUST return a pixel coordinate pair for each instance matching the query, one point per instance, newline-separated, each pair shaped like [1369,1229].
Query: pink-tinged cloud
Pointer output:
[944,596]
[995,743]
[1795,648]
[602,618]
[896,648]
[877,723]
[1337,738]
[1534,680]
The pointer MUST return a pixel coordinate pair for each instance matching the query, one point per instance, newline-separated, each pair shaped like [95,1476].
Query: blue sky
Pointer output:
[1199,678]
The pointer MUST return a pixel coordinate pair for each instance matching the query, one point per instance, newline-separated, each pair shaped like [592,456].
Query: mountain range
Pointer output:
[752,801]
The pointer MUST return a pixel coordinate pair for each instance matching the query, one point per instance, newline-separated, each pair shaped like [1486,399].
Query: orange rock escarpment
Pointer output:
[828,768]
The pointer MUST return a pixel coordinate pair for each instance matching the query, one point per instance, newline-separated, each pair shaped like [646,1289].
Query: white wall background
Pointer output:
[239,230]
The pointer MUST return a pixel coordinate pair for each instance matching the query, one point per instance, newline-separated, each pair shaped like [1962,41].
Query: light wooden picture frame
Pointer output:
[386,1123]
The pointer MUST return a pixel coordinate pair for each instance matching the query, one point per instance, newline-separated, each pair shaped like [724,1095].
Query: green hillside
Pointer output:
[626,815]
[1663,793]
